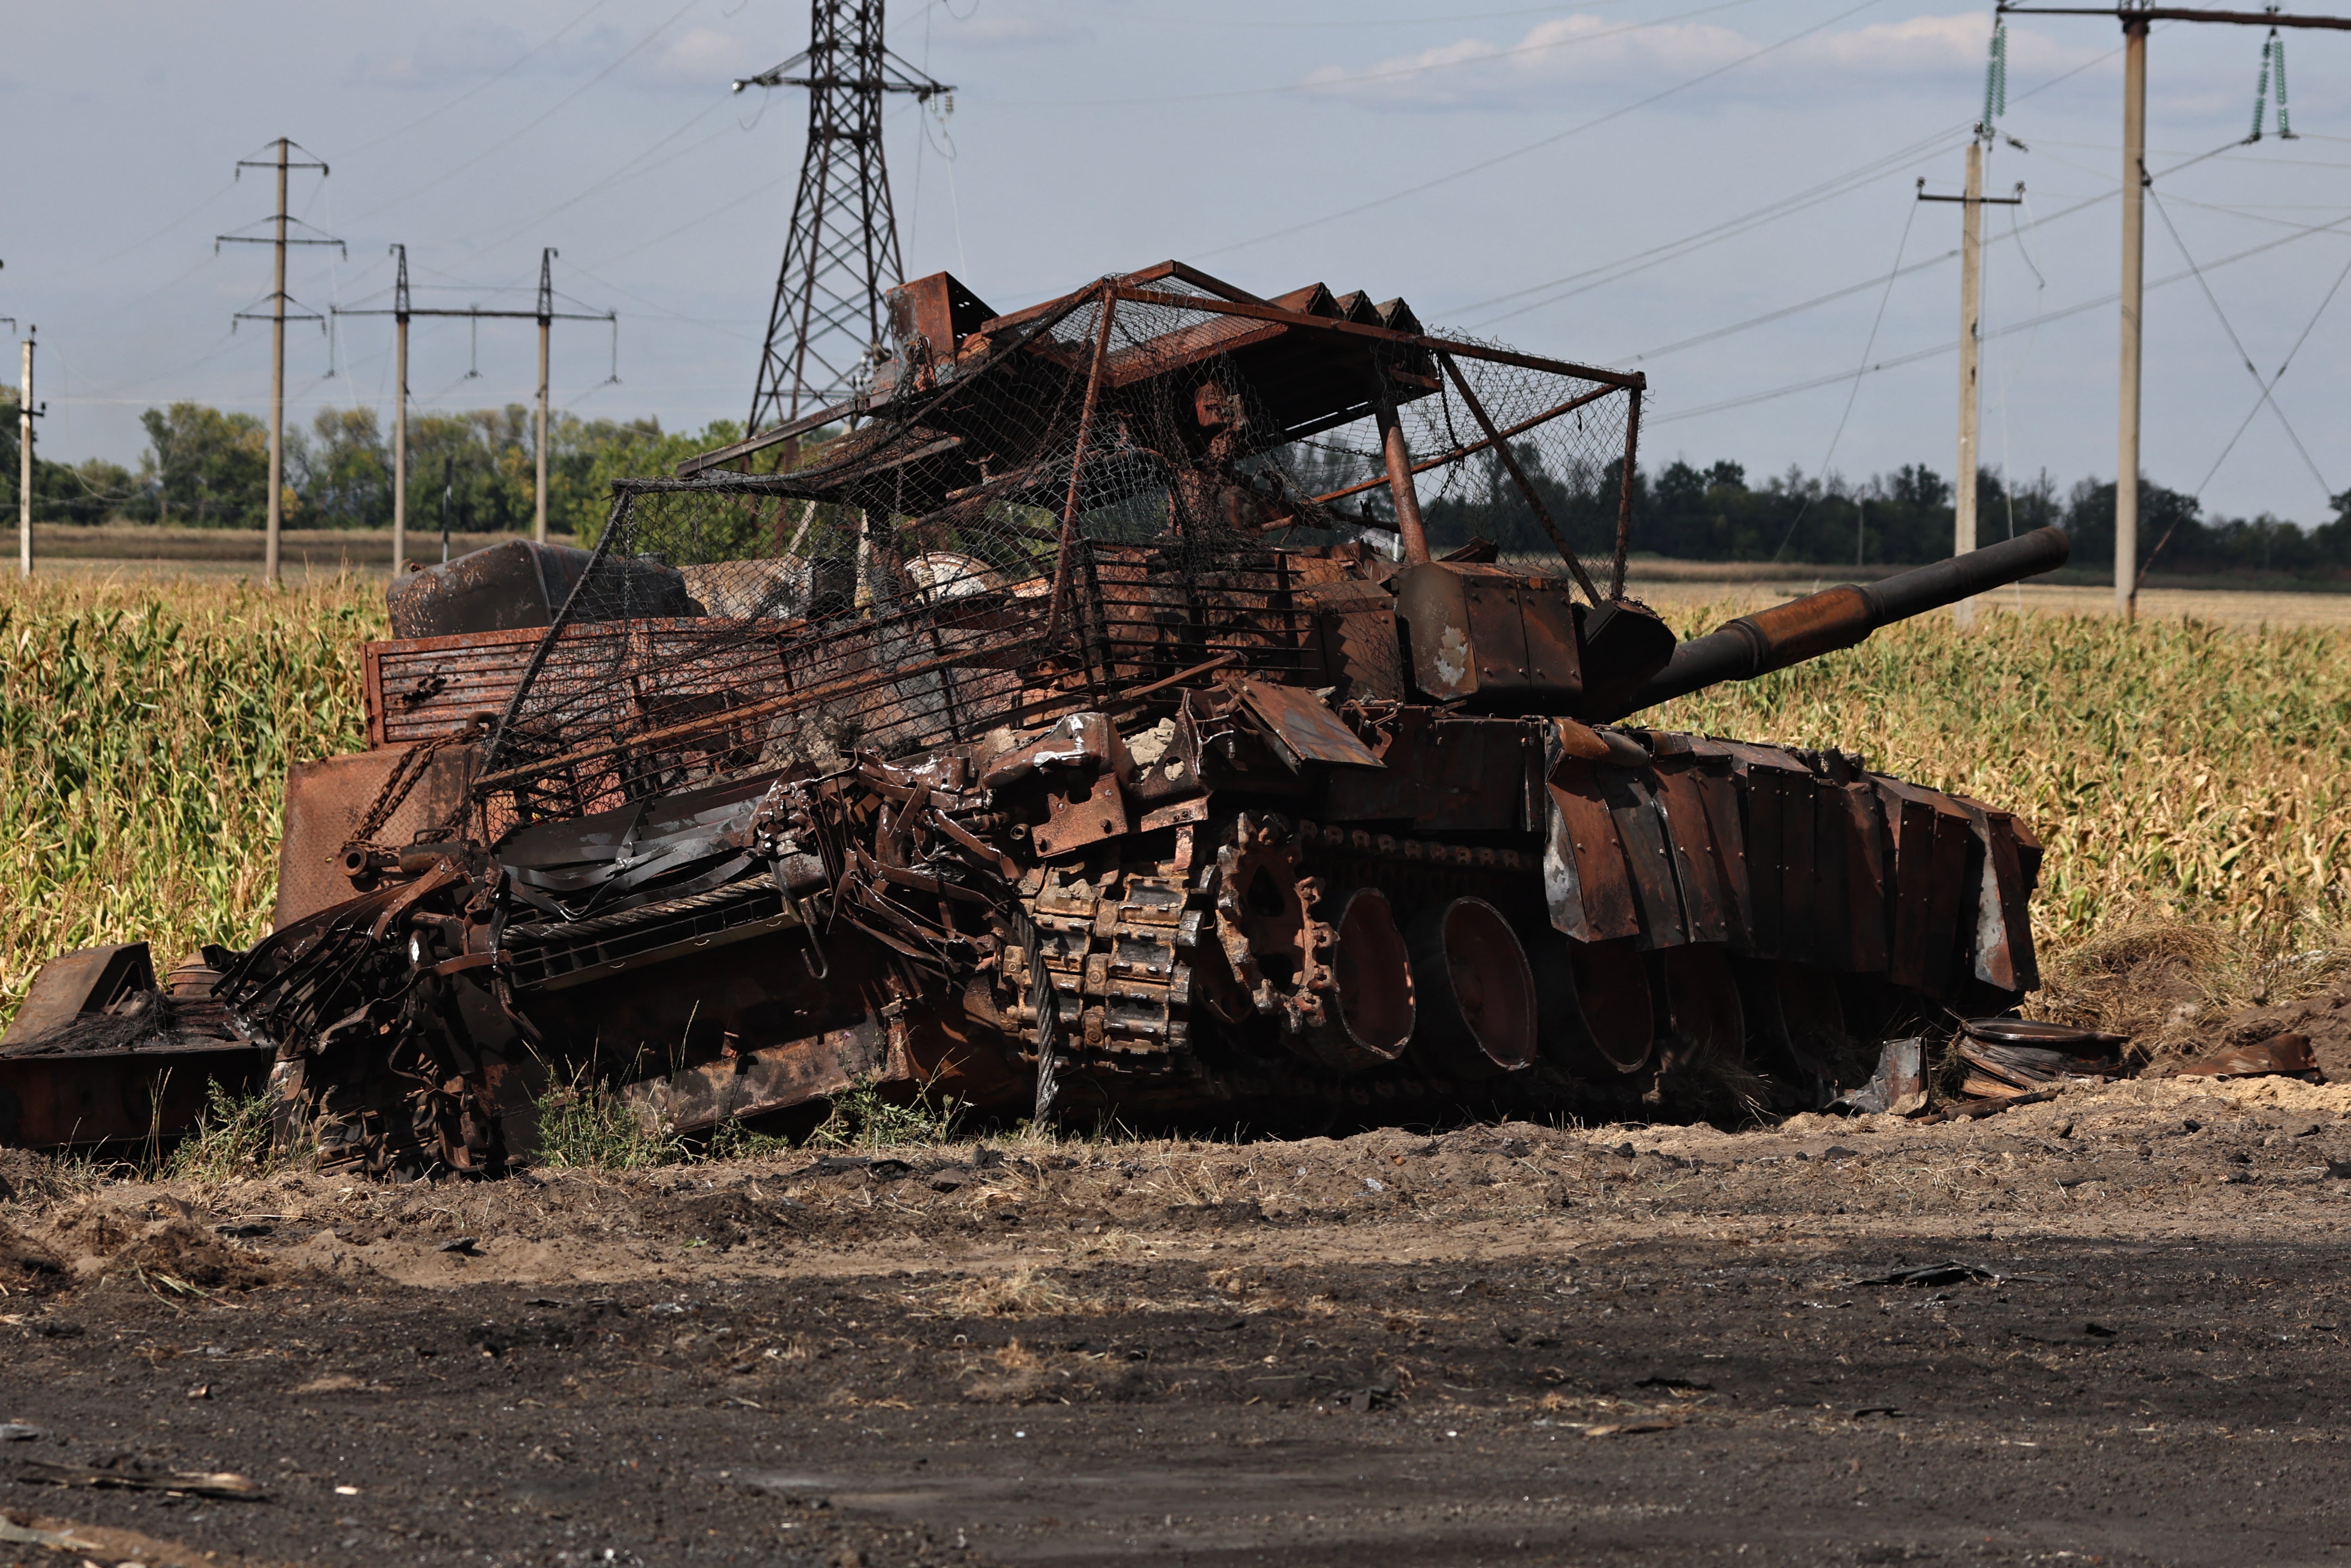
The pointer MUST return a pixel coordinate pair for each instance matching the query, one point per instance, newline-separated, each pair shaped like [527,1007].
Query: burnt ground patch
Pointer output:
[1642,1400]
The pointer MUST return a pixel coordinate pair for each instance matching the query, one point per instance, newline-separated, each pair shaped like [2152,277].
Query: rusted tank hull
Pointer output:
[1071,737]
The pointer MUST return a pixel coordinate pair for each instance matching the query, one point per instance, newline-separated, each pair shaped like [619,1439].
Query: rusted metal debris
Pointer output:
[1083,727]
[2287,1054]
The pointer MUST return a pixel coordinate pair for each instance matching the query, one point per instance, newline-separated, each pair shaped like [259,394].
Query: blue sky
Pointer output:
[1670,184]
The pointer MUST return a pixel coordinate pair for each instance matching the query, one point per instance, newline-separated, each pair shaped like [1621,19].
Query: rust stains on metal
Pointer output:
[1073,752]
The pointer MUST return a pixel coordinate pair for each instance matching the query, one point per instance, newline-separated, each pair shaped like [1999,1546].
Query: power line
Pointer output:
[500,145]
[1786,310]
[1858,371]
[1674,249]
[1193,22]
[1396,74]
[2246,423]
[1837,185]
[1549,140]
[486,82]
[2243,358]
[1812,383]
[625,172]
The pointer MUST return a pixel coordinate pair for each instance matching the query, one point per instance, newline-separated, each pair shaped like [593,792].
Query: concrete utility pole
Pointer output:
[544,313]
[2136,20]
[278,317]
[1972,205]
[277,383]
[400,419]
[2134,293]
[545,321]
[25,462]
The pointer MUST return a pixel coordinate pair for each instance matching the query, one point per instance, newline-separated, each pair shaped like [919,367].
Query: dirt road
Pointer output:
[1497,1344]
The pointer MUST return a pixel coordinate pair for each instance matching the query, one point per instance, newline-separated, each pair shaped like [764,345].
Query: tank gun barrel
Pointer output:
[1841,617]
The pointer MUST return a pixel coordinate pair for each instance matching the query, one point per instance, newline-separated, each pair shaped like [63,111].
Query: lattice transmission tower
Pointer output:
[843,247]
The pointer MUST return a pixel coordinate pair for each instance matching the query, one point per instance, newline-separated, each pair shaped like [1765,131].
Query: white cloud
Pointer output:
[705,57]
[1583,50]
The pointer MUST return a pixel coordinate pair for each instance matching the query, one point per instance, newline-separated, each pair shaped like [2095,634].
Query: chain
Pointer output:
[400,782]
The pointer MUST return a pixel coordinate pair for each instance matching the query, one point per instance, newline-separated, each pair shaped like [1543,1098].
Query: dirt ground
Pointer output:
[1497,1345]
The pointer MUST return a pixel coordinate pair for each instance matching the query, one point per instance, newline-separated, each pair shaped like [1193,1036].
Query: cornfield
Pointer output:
[144,735]
[2173,770]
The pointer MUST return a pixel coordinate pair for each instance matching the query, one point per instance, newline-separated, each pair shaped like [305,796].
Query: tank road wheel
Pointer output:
[1341,991]
[1612,994]
[1372,998]
[1478,1005]
[1702,1011]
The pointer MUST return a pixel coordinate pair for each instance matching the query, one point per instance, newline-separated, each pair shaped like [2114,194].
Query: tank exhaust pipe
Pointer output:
[1841,617]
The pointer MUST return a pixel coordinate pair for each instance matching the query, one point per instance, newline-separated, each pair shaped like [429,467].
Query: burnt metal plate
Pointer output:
[1073,824]
[89,980]
[1311,732]
[325,802]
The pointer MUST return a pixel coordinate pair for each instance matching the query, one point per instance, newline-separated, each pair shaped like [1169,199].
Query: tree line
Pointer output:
[208,468]
[1902,518]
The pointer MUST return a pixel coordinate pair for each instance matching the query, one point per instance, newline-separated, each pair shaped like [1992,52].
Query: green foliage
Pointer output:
[206,469]
[733,1140]
[344,474]
[583,1125]
[144,737]
[230,1138]
[634,451]
[865,1118]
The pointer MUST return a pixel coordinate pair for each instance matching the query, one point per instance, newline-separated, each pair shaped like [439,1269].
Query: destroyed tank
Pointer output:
[1078,723]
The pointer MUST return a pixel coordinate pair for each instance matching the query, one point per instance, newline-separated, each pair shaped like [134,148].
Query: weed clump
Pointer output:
[583,1125]
[864,1117]
[232,1138]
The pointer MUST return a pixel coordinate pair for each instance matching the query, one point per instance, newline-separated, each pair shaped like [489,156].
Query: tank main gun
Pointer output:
[1842,616]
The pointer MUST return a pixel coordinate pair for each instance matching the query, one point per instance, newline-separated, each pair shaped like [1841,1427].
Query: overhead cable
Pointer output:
[1553,140]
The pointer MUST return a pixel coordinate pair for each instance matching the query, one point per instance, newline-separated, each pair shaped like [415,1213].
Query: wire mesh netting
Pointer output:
[1040,514]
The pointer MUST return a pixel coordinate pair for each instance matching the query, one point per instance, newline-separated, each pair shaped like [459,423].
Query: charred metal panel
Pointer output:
[1716,784]
[326,802]
[82,1098]
[1766,858]
[1801,869]
[419,688]
[2001,946]
[1360,648]
[87,979]
[1489,637]
[1444,776]
[99,1055]
[1583,840]
[1698,855]
[1648,857]
[751,1083]
[1866,883]
[1912,819]
[1304,728]
[1951,902]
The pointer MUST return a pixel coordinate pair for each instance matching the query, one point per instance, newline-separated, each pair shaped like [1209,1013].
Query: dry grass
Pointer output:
[2176,772]
[2183,776]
